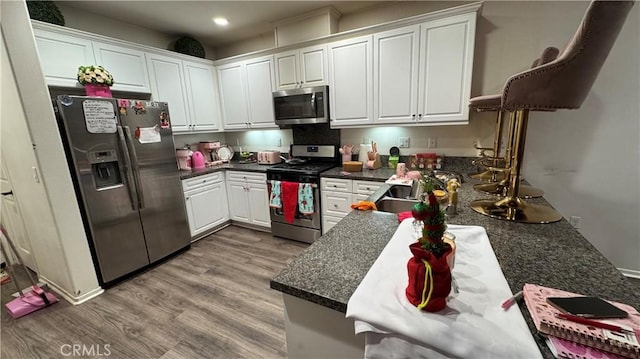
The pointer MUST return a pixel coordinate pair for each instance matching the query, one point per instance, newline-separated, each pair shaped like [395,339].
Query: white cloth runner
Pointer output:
[472,326]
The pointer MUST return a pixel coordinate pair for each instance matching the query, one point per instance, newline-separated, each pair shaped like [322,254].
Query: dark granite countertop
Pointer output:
[553,255]
[379,175]
[234,166]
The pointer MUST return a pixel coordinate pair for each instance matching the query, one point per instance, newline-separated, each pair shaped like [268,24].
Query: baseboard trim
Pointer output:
[210,231]
[630,273]
[75,300]
[251,226]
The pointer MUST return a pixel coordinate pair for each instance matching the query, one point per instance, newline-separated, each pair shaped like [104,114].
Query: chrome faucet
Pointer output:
[417,188]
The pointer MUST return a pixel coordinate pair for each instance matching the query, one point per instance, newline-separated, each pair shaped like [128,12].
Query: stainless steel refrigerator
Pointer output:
[122,157]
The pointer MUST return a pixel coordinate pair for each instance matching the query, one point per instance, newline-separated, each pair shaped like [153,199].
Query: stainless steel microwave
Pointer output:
[301,106]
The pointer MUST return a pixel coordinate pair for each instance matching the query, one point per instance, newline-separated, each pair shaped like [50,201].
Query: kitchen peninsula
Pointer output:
[317,285]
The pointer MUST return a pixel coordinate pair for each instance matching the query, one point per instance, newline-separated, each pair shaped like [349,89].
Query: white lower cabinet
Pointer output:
[248,198]
[205,199]
[338,195]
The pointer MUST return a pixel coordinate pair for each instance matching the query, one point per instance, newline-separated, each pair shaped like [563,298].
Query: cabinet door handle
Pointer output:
[419,117]
[413,116]
[7,193]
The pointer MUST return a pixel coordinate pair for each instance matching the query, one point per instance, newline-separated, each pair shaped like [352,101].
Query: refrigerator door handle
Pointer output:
[127,162]
[135,168]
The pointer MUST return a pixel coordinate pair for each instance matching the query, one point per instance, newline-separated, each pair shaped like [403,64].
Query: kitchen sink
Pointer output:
[399,191]
[395,205]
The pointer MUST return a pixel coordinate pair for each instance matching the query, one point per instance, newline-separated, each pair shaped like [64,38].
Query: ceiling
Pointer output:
[246,18]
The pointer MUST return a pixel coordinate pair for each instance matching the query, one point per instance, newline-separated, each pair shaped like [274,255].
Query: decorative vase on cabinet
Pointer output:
[96,80]
[97,90]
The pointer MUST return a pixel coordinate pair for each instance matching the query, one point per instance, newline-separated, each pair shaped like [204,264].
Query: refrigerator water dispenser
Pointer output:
[105,169]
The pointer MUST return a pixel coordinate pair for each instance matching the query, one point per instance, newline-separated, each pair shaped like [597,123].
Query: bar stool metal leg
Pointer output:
[490,175]
[499,188]
[512,207]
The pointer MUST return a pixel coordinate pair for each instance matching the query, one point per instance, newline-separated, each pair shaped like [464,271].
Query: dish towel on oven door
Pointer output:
[305,198]
[289,200]
[274,199]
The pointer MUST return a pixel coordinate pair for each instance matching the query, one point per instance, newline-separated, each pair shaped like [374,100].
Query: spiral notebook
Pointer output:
[566,349]
[625,343]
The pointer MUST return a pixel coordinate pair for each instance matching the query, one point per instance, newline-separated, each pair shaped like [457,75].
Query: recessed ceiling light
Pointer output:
[221,21]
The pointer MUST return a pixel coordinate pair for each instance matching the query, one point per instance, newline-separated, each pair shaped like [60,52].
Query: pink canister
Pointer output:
[197,160]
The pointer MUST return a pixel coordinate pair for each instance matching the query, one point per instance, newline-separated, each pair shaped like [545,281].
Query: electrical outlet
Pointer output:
[403,142]
[574,221]
[433,142]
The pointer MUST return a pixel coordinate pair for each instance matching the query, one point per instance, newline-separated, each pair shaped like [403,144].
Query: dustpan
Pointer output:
[35,298]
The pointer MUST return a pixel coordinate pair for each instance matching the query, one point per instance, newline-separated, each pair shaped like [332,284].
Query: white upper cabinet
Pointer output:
[202,96]
[351,79]
[126,65]
[301,68]
[246,94]
[168,85]
[61,55]
[287,70]
[422,73]
[189,88]
[395,80]
[446,52]
[260,86]
[233,96]
[62,52]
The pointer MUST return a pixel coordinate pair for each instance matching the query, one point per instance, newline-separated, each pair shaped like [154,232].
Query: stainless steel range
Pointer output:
[309,161]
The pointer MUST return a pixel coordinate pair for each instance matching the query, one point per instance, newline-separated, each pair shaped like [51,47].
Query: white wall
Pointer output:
[389,11]
[98,24]
[256,43]
[450,140]
[253,141]
[587,160]
[261,140]
[180,140]
[50,211]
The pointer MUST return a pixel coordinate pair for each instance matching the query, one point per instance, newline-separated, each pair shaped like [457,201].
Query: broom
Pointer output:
[34,299]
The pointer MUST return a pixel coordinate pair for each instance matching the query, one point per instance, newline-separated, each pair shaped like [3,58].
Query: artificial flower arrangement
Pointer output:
[429,269]
[96,75]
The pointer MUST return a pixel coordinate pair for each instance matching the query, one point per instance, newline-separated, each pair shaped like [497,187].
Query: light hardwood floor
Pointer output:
[212,301]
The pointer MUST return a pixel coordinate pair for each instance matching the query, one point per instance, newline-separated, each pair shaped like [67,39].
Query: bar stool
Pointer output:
[482,104]
[563,83]
[497,175]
